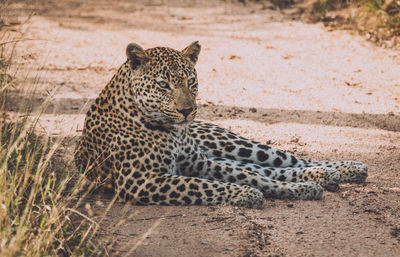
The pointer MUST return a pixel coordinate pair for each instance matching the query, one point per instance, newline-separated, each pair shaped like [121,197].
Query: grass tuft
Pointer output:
[38,206]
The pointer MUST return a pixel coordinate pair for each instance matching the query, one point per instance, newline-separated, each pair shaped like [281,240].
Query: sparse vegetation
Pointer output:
[378,19]
[38,214]
[381,16]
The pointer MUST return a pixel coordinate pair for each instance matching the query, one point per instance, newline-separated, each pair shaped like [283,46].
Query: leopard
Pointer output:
[141,139]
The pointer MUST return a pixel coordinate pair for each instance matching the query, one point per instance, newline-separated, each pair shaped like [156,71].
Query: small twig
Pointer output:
[120,234]
[217,219]
[83,215]
[159,217]
[19,40]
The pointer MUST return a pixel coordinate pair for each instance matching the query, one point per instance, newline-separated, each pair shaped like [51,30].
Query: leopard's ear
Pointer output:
[192,52]
[136,55]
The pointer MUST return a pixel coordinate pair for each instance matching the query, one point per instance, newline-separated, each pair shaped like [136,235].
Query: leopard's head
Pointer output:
[164,83]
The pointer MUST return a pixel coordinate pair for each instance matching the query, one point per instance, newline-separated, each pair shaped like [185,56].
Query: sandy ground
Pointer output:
[321,95]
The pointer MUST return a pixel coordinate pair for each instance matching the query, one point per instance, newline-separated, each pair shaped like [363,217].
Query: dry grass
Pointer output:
[38,208]
[43,210]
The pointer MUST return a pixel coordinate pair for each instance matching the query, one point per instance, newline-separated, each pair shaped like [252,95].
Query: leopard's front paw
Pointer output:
[354,172]
[328,178]
[306,191]
[250,198]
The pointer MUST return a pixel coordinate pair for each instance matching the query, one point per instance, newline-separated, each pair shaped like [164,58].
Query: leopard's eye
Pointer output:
[164,84]
[191,81]
[192,85]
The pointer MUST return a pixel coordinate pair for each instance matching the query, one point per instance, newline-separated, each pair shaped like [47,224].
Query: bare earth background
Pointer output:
[321,95]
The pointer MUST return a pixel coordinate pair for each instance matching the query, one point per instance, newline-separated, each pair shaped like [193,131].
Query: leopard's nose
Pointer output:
[185,112]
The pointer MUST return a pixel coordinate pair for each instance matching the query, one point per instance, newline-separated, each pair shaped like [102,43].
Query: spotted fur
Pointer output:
[140,136]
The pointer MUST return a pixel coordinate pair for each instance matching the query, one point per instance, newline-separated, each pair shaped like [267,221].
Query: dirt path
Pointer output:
[319,94]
